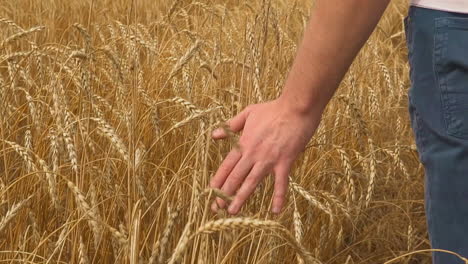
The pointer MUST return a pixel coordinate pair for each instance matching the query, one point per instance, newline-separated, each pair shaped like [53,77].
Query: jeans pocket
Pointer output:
[451,70]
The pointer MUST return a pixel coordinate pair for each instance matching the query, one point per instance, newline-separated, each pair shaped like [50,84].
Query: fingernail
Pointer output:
[276,210]
[232,209]
[217,132]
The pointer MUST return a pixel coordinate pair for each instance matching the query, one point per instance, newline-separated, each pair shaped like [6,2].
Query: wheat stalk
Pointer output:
[373,172]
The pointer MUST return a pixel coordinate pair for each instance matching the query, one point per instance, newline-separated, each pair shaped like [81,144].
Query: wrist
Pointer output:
[299,106]
[302,100]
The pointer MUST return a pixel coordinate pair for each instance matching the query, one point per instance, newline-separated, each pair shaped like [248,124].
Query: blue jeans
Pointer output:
[438,103]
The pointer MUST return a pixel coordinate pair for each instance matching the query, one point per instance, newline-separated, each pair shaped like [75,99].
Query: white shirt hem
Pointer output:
[457,6]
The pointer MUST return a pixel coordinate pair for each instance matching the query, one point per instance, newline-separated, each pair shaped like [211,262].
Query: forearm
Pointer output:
[336,32]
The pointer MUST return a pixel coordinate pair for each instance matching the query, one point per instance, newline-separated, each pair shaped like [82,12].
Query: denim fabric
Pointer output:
[438,104]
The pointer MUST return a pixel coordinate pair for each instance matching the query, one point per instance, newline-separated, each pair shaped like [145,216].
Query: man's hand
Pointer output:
[275,132]
[272,138]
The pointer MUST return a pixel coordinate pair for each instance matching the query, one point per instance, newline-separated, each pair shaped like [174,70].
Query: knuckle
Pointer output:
[274,153]
[241,199]
[250,182]
[236,177]
[247,153]
[236,154]
[268,164]
[278,198]
[250,152]
[223,170]
[280,193]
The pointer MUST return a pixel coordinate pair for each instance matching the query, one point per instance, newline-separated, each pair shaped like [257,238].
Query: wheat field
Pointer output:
[105,151]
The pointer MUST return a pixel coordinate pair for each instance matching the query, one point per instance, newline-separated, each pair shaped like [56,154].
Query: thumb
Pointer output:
[236,124]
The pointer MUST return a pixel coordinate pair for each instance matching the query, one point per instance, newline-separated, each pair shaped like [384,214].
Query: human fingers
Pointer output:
[249,185]
[235,179]
[223,171]
[225,168]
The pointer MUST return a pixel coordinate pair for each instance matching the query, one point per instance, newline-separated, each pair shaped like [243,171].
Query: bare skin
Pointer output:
[274,133]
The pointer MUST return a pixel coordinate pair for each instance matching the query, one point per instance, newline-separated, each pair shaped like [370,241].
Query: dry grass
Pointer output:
[105,148]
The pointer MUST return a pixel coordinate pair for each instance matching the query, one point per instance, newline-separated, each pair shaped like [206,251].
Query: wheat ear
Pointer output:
[12,212]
